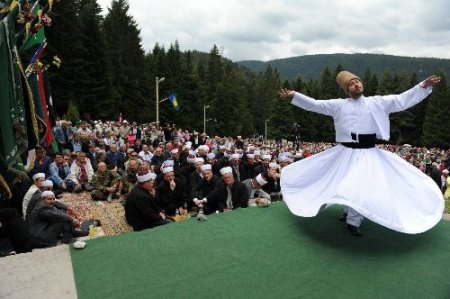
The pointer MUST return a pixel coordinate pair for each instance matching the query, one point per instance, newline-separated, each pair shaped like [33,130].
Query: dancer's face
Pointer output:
[355,88]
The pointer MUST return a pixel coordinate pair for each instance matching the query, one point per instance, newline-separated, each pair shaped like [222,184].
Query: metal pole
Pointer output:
[204,118]
[157,99]
[265,131]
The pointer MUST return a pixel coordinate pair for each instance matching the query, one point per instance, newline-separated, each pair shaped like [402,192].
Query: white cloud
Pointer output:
[264,30]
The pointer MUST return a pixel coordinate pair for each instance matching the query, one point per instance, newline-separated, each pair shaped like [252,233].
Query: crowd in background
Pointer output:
[159,172]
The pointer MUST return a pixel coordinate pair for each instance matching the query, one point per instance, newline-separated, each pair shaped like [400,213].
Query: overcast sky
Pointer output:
[266,30]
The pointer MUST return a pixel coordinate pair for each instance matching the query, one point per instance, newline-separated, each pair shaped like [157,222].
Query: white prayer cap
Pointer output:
[203,148]
[445,171]
[227,155]
[251,156]
[222,147]
[168,163]
[235,156]
[188,143]
[239,137]
[261,180]
[174,151]
[38,175]
[199,159]
[47,183]
[206,167]
[298,154]
[226,170]
[167,169]
[273,165]
[145,176]
[283,158]
[257,153]
[187,146]
[211,156]
[267,157]
[47,194]
[191,158]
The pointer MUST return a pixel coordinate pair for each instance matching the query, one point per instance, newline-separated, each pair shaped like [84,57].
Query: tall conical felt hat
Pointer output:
[344,77]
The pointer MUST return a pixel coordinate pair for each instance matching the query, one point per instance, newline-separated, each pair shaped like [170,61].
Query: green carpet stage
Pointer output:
[266,253]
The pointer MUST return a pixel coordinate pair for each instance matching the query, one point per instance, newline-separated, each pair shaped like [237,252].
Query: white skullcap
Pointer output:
[47,194]
[283,158]
[261,180]
[273,165]
[222,147]
[167,169]
[203,148]
[199,159]
[225,170]
[47,183]
[235,156]
[38,175]
[191,159]
[206,167]
[251,156]
[174,151]
[168,163]
[267,157]
[211,156]
[257,153]
[143,177]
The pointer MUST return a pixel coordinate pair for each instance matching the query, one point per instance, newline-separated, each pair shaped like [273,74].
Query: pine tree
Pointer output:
[437,123]
[130,90]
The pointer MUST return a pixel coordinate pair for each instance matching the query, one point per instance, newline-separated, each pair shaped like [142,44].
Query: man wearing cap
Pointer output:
[46,185]
[249,166]
[196,176]
[171,193]
[46,222]
[141,208]
[370,182]
[38,178]
[209,191]
[264,166]
[446,187]
[254,188]
[235,194]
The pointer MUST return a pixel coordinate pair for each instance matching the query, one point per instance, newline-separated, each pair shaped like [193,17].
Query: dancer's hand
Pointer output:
[286,93]
[431,81]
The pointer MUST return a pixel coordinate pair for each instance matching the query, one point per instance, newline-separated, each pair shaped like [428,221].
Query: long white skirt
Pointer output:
[378,184]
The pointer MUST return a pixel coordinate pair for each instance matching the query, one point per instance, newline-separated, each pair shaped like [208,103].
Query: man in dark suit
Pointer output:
[235,194]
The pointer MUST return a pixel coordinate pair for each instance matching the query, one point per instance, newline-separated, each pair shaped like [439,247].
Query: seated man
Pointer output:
[232,194]
[38,178]
[60,174]
[107,184]
[254,188]
[46,223]
[41,162]
[141,209]
[171,193]
[81,173]
[46,185]
[208,191]
[129,179]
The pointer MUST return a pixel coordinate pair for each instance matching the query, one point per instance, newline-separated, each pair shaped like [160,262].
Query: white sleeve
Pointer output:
[326,107]
[409,98]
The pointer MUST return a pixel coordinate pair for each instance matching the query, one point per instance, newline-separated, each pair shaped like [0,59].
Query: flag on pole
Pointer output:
[173,100]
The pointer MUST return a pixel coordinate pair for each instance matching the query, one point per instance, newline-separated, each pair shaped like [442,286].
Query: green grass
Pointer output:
[265,253]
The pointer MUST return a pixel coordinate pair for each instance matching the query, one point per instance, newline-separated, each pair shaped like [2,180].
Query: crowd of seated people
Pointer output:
[157,173]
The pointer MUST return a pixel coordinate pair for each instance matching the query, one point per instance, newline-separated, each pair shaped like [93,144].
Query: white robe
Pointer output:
[378,184]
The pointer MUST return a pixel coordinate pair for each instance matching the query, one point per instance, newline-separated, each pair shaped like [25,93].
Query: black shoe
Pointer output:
[80,233]
[343,217]
[354,230]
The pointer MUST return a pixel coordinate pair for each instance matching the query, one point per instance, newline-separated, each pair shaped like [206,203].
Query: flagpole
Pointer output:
[157,81]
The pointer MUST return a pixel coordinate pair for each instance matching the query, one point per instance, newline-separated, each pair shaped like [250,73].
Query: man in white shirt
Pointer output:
[369,181]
